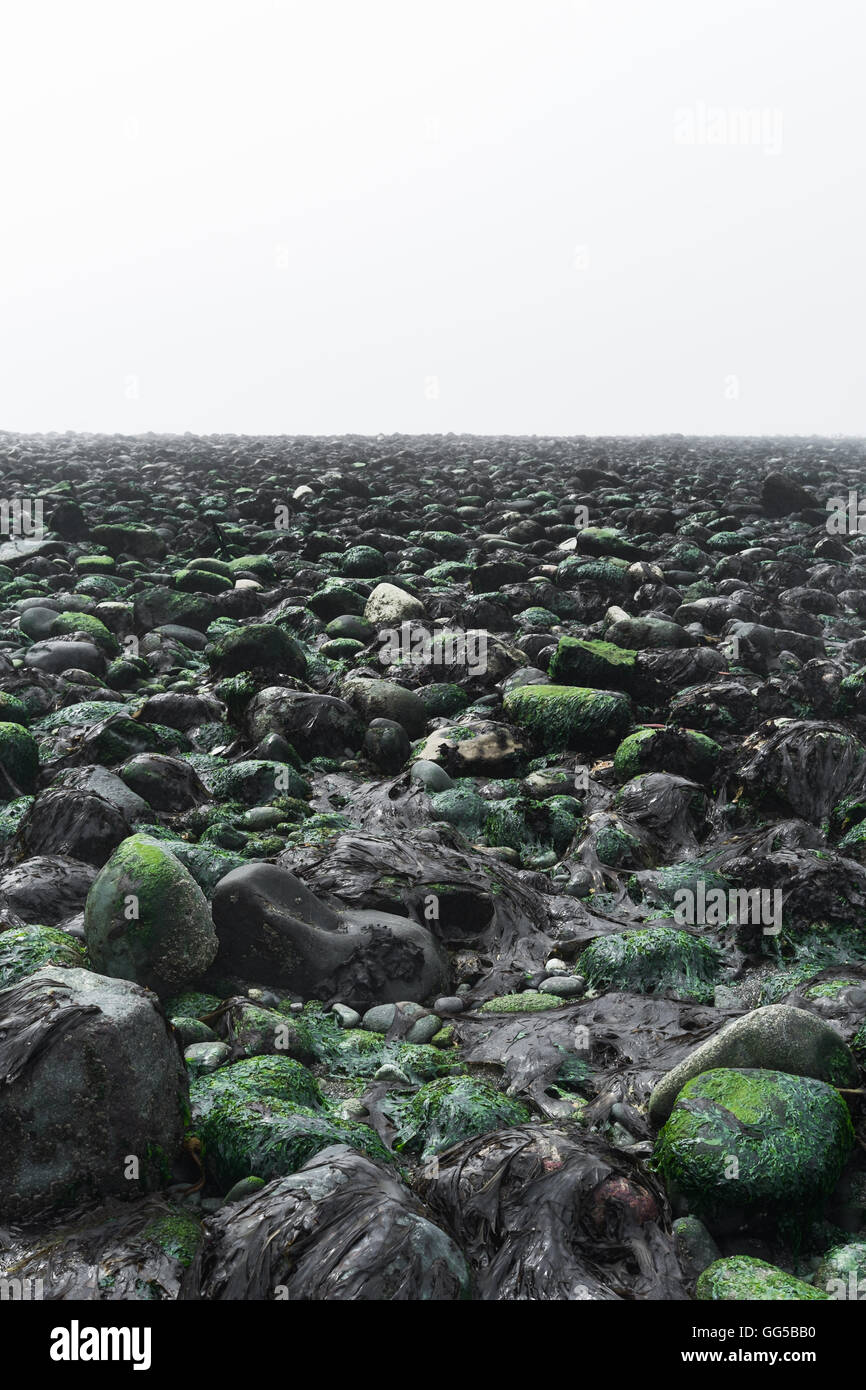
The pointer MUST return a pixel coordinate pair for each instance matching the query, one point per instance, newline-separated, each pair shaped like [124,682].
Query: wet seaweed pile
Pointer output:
[432,868]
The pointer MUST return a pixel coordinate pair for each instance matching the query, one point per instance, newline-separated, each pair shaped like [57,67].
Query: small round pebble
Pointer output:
[564,986]
[449,1004]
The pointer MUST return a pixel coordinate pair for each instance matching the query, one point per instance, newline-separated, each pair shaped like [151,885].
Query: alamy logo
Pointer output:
[21,516]
[21,1290]
[77,1343]
[419,647]
[716,907]
[759,127]
[851,1289]
[846,515]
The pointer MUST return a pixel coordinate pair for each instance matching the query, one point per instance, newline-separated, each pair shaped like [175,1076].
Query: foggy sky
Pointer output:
[515,216]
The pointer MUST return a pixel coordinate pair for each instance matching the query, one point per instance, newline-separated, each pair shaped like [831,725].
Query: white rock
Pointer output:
[388,605]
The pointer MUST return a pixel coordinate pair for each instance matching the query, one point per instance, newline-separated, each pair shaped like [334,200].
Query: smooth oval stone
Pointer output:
[55,656]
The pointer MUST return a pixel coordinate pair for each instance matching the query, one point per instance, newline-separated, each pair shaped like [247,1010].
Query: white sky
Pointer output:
[497,216]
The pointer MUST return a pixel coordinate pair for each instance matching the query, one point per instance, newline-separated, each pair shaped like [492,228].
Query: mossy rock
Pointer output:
[262,566]
[442,699]
[146,919]
[196,581]
[19,761]
[652,960]
[141,542]
[336,602]
[447,1111]
[362,562]
[99,586]
[178,1234]
[257,647]
[95,564]
[842,1271]
[462,807]
[606,575]
[563,716]
[752,1142]
[740,1278]
[341,649]
[684,752]
[256,1079]
[606,541]
[528,826]
[191,1004]
[207,863]
[601,665]
[532,1001]
[265,1117]
[25,949]
[254,781]
[13,710]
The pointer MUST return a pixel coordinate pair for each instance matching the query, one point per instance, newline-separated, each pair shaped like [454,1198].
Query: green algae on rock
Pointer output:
[568,716]
[592,663]
[681,751]
[265,1116]
[743,1142]
[776,1037]
[256,647]
[652,960]
[19,761]
[740,1278]
[25,949]
[146,918]
[447,1111]
[530,1001]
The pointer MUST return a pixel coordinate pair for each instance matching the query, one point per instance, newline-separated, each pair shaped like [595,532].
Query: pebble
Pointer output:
[348,1018]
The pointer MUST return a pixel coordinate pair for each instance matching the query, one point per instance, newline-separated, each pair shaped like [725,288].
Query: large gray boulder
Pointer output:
[777,1037]
[273,930]
[95,1091]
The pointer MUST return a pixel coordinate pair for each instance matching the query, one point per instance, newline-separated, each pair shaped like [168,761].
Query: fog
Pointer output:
[272,216]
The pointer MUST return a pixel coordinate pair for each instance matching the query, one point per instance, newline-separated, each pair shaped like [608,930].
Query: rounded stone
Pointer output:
[146,918]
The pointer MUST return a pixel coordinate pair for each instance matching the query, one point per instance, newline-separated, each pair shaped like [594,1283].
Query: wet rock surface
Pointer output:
[443,858]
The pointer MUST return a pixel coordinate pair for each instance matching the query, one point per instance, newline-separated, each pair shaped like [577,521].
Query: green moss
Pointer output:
[528,826]
[442,699]
[530,1001]
[449,1110]
[19,761]
[598,664]
[178,1235]
[684,752]
[266,1116]
[788,1136]
[25,949]
[462,807]
[94,628]
[253,1079]
[562,716]
[651,961]
[616,846]
[742,1278]
[13,710]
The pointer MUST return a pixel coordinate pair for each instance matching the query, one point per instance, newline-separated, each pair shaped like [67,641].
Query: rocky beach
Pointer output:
[433,868]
